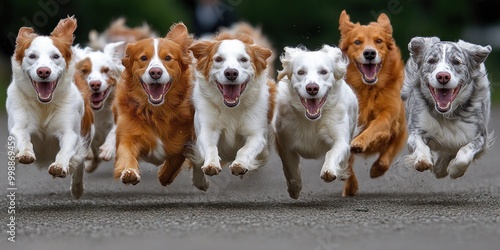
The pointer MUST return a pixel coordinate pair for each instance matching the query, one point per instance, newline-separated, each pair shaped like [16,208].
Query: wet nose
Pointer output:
[43,72]
[369,54]
[443,77]
[312,88]
[155,73]
[95,85]
[231,74]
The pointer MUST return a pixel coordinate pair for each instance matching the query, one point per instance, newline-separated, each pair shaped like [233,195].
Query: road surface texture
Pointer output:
[404,209]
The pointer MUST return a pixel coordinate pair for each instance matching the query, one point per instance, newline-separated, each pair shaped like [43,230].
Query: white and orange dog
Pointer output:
[100,71]
[49,116]
[316,115]
[233,100]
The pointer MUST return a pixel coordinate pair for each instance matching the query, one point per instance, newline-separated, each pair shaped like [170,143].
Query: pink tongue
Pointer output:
[44,89]
[369,70]
[156,90]
[312,106]
[444,97]
[231,92]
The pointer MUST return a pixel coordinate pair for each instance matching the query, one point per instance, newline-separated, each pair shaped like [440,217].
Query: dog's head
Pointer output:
[100,70]
[45,60]
[157,63]
[366,45]
[230,62]
[447,69]
[313,75]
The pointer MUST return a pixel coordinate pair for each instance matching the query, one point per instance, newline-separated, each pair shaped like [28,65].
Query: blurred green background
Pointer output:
[285,23]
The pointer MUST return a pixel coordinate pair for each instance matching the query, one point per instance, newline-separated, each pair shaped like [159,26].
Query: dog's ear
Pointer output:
[260,55]
[418,45]
[201,52]
[345,24]
[127,58]
[116,52]
[384,22]
[478,53]
[340,62]
[179,34]
[23,37]
[65,29]
[286,61]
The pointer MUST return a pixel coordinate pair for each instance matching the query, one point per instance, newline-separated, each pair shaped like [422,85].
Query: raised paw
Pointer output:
[457,168]
[327,176]
[130,176]
[378,169]
[238,169]
[26,157]
[56,170]
[211,170]
[358,145]
[201,185]
[422,165]
[106,152]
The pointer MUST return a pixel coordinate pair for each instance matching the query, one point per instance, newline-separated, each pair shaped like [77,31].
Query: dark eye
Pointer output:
[85,71]
[323,72]
[300,72]
[244,59]
[457,61]
[218,59]
[32,56]
[144,58]
[56,56]
[168,58]
[357,42]
[105,70]
[378,41]
[431,61]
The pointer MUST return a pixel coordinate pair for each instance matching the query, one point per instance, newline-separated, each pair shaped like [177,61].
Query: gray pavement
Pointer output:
[404,209]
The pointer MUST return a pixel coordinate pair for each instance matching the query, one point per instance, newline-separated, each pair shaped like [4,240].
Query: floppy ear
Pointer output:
[418,45]
[23,37]
[345,24]
[339,61]
[478,53]
[260,54]
[116,52]
[287,60]
[383,20]
[179,34]
[127,58]
[65,29]
[201,51]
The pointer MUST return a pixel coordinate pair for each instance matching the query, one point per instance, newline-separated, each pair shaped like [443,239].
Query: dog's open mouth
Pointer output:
[369,71]
[444,97]
[44,89]
[156,91]
[313,106]
[231,93]
[97,99]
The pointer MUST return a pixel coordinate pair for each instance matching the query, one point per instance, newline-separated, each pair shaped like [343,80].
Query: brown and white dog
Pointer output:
[100,71]
[153,106]
[376,74]
[234,99]
[49,116]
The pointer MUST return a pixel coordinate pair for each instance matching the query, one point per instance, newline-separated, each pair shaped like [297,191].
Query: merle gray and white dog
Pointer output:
[447,96]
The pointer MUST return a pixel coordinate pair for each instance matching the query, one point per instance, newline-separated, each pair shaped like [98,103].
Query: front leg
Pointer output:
[291,169]
[126,165]
[246,158]
[375,135]
[465,156]
[25,154]
[107,149]
[421,158]
[206,144]
[68,142]
[336,162]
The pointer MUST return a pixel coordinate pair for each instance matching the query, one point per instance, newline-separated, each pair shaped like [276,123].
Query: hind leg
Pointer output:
[77,181]
[170,169]
[351,184]
[381,165]
[291,169]
[92,160]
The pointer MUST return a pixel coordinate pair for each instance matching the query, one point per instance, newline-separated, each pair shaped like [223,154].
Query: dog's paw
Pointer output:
[350,188]
[238,169]
[202,185]
[26,157]
[130,176]
[91,165]
[328,176]
[77,190]
[211,170]
[294,188]
[358,145]
[457,168]
[56,170]
[106,152]
[378,169]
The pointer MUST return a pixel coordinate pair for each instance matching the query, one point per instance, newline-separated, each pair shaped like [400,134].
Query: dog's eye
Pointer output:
[168,58]
[431,61]
[56,56]
[32,56]
[378,41]
[105,70]
[457,62]
[244,59]
[357,42]
[301,72]
[323,72]
[144,58]
[218,59]
[85,71]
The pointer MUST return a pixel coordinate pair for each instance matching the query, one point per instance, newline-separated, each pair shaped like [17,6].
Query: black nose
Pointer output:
[43,72]
[369,54]
[443,77]
[231,74]
[312,88]
[155,73]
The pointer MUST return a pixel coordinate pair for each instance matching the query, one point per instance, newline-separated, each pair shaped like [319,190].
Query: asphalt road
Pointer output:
[404,209]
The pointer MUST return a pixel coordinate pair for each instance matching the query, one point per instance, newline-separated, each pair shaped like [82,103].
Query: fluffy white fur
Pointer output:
[302,133]
[44,131]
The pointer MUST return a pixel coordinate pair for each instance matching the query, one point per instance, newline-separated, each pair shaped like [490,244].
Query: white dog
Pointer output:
[233,99]
[100,71]
[47,112]
[316,115]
